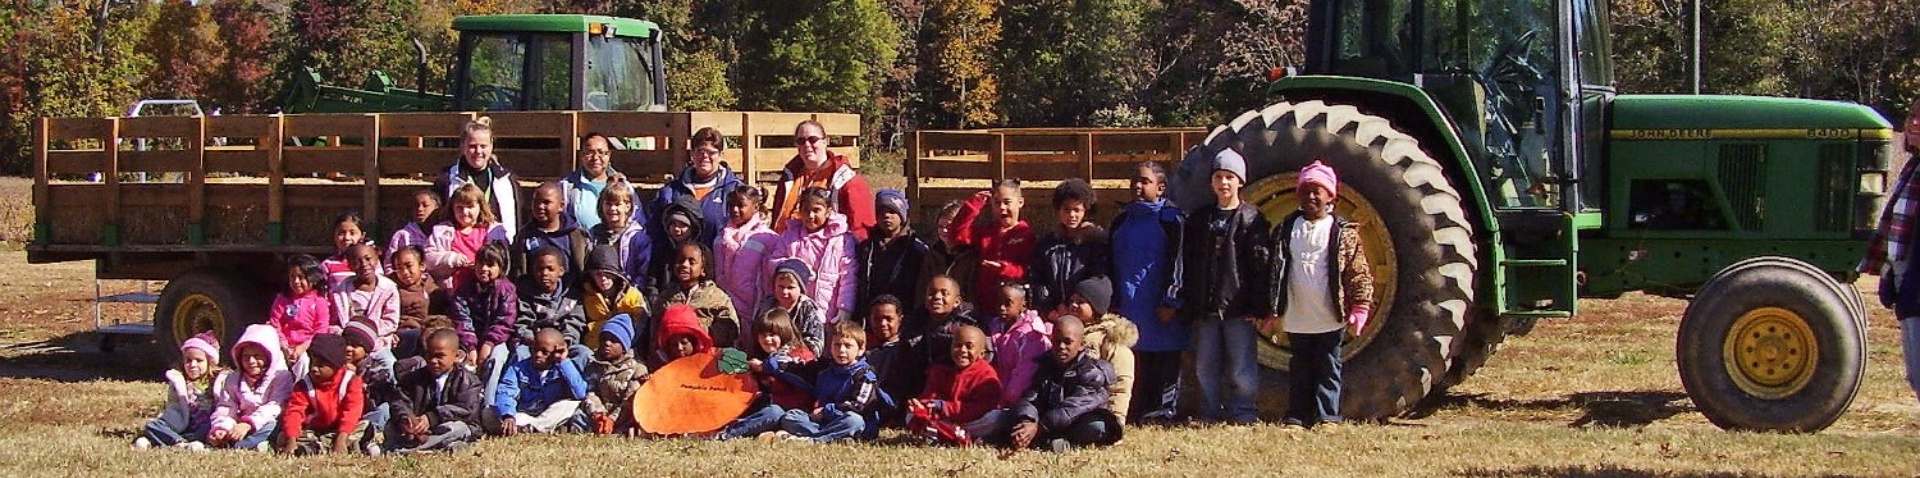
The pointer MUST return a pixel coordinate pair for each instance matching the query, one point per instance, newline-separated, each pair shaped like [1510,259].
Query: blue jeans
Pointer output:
[1313,391]
[162,434]
[1910,342]
[764,419]
[260,435]
[376,420]
[1225,354]
[833,427]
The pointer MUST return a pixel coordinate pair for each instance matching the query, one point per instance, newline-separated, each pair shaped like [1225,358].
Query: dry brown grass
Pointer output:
[1594,396]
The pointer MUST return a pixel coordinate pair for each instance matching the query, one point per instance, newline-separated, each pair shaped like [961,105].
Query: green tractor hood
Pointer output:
[1708,117]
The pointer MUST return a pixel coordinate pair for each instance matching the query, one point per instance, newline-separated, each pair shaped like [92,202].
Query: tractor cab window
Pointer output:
[513,71]
[1510,52]
[1373,38]
[496,65]
[619,74]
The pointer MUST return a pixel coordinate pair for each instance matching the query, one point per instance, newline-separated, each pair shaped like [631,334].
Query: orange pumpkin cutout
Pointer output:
[692,395]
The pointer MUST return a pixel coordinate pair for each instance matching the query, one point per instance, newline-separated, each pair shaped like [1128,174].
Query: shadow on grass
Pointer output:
[1601,409]
[1594,472]
[80,357]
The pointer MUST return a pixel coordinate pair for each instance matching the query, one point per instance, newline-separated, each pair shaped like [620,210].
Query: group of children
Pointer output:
[984,334]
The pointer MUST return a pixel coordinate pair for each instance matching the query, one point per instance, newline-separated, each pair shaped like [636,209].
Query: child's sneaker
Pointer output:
[264,447]
[373,449]
[1060,445]
[142,443]
[193,446]
[457,447]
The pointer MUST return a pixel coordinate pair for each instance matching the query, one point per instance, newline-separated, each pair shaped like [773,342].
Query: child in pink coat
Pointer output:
[248,401]
[301,309]
[453,245]
[742,251]
[1021,341]
[821,239]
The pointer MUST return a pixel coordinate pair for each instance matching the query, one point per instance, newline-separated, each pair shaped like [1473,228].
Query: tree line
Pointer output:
[905,64]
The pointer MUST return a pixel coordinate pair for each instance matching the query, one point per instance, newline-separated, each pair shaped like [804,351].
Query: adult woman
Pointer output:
[817,167]
[478,166]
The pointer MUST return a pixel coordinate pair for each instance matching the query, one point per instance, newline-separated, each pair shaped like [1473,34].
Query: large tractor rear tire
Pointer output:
[1773,344]
[206,300]
[1413,225]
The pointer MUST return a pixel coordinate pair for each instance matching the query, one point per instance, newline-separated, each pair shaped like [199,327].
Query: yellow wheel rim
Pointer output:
[1771,352]
[1274,196]
[194,314]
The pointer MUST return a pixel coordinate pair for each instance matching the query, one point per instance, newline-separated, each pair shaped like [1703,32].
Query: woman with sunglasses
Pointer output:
[814,166]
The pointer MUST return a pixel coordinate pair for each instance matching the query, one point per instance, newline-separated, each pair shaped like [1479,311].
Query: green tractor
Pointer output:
[1500,177]
[516,63]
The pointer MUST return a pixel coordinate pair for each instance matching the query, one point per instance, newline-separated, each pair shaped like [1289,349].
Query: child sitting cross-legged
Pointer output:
[961,401]
[1067,406]
[323,413]
[190,389]
[437,403]
[614,375]
[775,342]
[848,400]
[247,405]
[542,393]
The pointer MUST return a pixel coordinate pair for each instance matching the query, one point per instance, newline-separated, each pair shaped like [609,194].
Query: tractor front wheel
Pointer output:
[1414,230]
[1772,344]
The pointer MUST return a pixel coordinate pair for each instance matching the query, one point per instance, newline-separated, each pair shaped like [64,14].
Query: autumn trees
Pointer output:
[906,64]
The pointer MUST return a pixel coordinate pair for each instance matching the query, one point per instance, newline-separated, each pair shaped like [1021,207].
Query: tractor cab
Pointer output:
[1505,74]
[558,62]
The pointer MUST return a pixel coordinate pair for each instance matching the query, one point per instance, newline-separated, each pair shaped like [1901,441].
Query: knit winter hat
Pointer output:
[621,327]
[205,343]
[798,268]
[330,349]
[1230,161]
[679,216]
[360,334]
[1321,174]
[891,200]
[1098,291]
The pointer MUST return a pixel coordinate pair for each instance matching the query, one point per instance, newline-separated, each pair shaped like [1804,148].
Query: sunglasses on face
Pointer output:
[807,139]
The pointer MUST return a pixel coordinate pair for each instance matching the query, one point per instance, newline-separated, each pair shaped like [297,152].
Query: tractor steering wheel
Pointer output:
[1511,65]
[497,97]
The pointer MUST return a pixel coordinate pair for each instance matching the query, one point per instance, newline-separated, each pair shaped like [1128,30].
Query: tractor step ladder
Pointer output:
[107,331]
[1561,271]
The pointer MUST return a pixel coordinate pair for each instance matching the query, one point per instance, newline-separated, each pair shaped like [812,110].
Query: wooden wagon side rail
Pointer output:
[948,165]
[222,183]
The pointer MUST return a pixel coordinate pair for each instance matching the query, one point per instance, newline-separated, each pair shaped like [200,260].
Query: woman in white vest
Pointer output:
[478,166]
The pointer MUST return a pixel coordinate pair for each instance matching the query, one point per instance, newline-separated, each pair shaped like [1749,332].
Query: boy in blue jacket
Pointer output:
[1147,290]
[848,400]
[542,393]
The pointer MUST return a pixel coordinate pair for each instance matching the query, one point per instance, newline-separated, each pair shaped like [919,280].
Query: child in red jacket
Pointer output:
[326,407]
[1005,241]
[961,403]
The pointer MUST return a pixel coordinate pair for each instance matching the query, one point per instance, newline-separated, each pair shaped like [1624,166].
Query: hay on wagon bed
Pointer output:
[153,225]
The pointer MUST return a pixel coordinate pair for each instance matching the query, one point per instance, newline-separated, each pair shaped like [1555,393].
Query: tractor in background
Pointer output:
[515,63]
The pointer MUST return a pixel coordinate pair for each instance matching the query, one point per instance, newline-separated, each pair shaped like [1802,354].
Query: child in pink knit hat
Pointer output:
[1325,289]
[189,411]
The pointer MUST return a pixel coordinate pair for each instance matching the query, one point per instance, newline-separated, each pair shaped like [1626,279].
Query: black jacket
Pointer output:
[1061,394]
[573,243]
[1059,263]
[901,267]
[459,402]
[935,340]
[1228,256]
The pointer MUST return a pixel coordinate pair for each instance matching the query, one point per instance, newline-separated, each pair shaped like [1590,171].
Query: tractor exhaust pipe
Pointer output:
[420,67]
